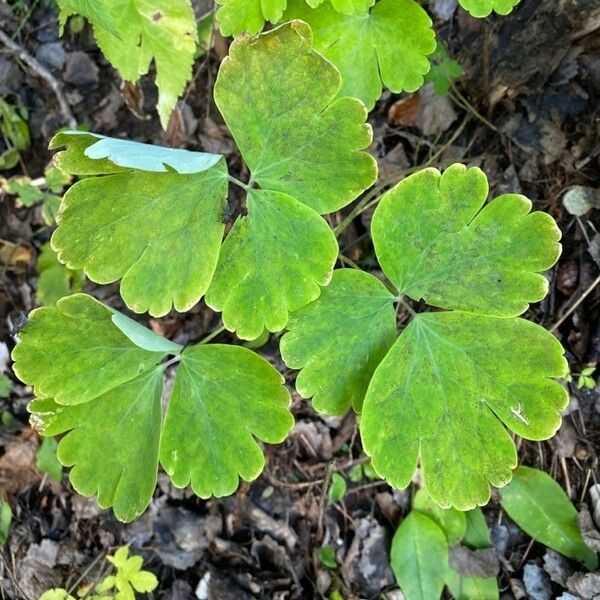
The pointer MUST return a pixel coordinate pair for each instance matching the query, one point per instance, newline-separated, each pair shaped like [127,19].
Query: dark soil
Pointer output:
[527,111]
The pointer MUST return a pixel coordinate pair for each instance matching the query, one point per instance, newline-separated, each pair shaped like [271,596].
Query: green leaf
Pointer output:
[144,581]
[472,588]
[540,507]
[95,11]
[223,400]
[278,98]
[388,46]
[337,488]
[443,70]
[451,521]
[355,474]
[338,340]
[477,534]
[56,594]
[107,583]
[55,179]
[158,215]
[74,353]
[5,386]
[327,557]
[435,241]
[104,376]
[112,443]
[13,127]
[27,193]
[483,8]
[54,279]
[419,557]
[6,516]
[446,391]
[272,263]
[249,16]
[46,460]
[132,33]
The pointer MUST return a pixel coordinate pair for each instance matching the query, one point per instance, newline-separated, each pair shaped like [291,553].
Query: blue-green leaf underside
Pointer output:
[144,157]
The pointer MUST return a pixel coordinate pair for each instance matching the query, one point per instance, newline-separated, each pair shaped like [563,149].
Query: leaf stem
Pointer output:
[239,183]
[212,335]
[172,361]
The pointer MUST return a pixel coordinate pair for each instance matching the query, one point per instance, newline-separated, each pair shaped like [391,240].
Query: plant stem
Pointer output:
[241,184]
[172,361]
[212,335]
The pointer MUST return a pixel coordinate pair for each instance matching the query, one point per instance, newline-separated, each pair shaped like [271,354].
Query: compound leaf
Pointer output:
[446,391]
[338,340]
[98,381]
[540,507]
[278,98]
[74,353]
[247,16]
[138,225]
[223,398]
[131,33]
[419,557]
[272,263]
[434,241]
[388,46]
[112,443]
[483,8]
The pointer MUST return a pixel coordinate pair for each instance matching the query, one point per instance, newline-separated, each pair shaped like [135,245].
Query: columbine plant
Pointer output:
[444,394]
[372,43]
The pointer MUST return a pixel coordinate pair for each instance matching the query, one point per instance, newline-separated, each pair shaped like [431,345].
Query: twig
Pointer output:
[576,304]
[44,74]
[323,500]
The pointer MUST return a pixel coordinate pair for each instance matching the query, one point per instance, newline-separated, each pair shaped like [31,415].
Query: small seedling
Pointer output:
[15,133]
[128,578]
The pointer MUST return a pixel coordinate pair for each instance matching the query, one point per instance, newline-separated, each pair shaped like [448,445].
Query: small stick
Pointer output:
[576,304]
[44,74]
[563,464]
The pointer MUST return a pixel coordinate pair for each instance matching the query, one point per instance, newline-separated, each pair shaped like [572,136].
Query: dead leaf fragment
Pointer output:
[474,563]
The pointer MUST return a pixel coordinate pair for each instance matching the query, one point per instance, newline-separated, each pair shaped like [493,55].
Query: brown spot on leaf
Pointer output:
[157,16]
